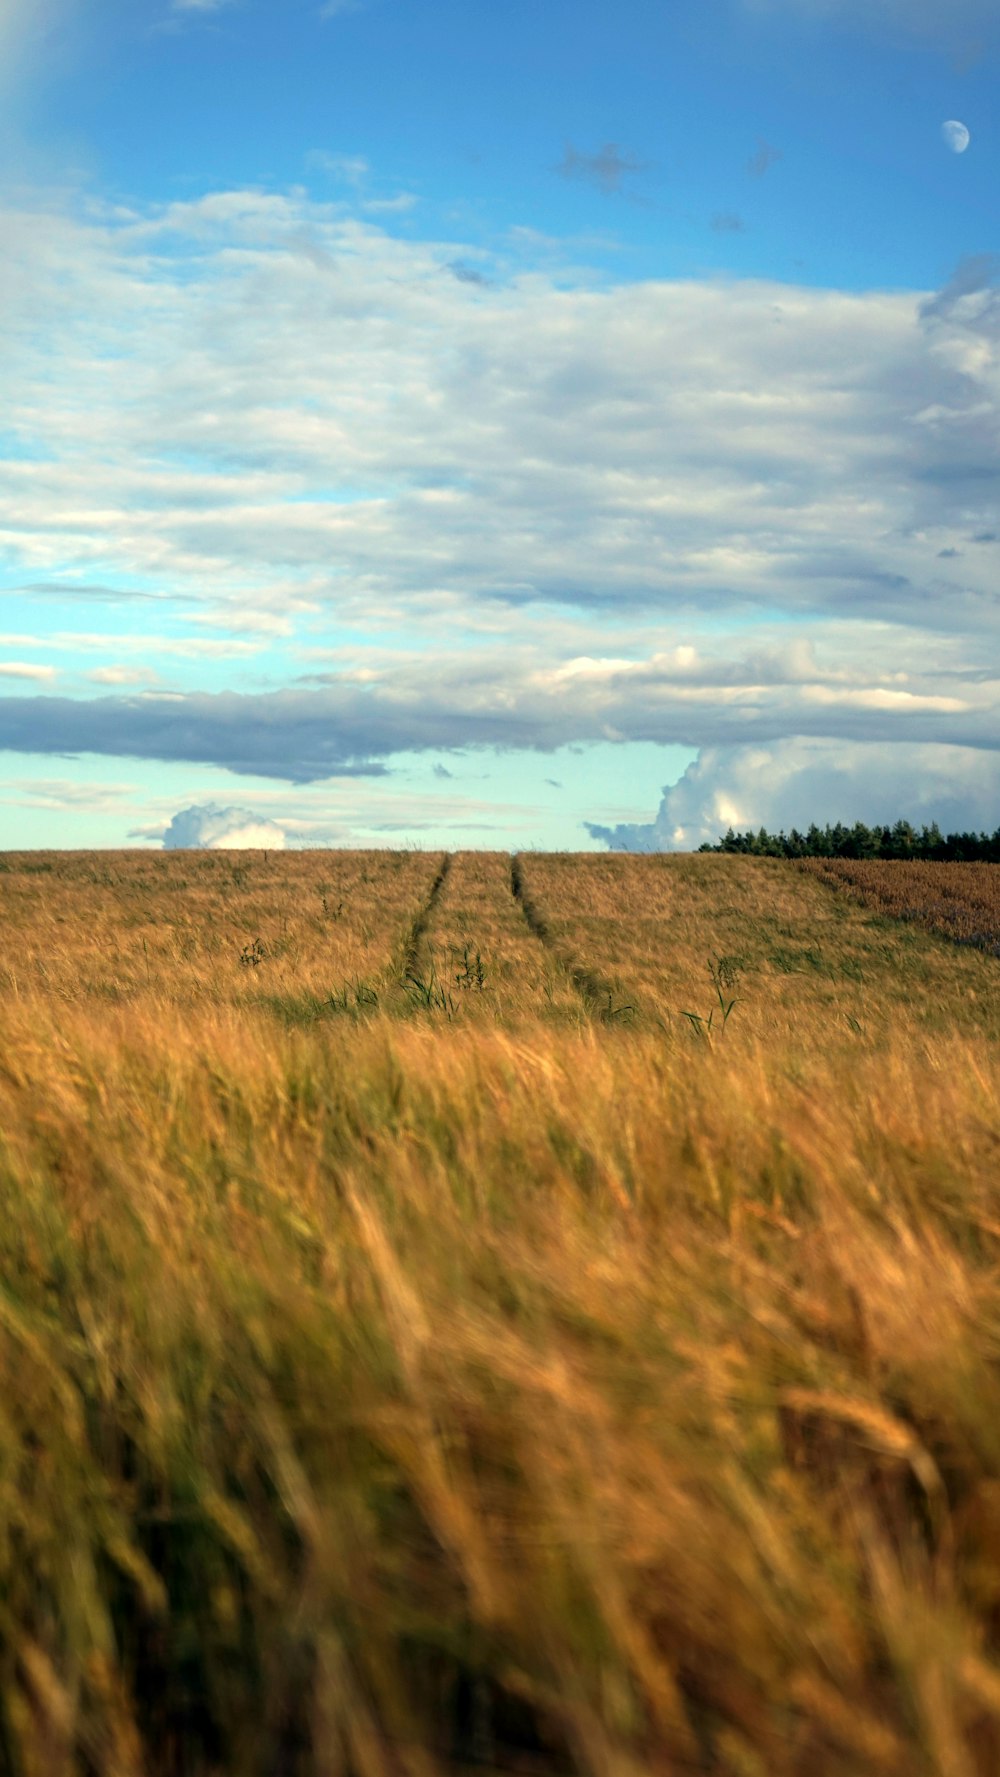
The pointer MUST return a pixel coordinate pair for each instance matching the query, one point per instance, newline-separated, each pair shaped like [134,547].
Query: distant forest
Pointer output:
[859,841]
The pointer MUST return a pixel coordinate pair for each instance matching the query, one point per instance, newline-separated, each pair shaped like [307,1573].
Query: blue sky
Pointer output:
[544,424]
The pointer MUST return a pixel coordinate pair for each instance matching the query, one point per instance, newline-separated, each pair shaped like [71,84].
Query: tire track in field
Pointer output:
[413,955]
[596,992]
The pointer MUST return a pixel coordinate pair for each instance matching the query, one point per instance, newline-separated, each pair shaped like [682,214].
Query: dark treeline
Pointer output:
[859,841]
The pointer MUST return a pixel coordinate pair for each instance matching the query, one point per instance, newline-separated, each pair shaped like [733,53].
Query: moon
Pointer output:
[956,136]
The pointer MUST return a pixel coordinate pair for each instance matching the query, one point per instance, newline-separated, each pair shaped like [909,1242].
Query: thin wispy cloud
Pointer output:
[122,675]
[398,205]
[965,23]
[976,274]
[467,273]
[764,157]
[607,170]
[64,794]
[350,169]
[26,669]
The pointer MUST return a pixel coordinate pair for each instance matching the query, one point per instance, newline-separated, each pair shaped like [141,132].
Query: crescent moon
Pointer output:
[956,136]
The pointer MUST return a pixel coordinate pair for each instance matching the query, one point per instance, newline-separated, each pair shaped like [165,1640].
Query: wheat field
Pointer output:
[962,904]
[462,1314]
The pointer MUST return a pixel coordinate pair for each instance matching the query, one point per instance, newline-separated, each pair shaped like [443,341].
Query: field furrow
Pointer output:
[481,953]
[288,932]
[679,938]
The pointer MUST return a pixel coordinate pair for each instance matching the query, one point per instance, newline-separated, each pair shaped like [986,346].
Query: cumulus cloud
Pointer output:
[793,782]
[211,828]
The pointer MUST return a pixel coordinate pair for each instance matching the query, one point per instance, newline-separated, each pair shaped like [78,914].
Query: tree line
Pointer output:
[859,841]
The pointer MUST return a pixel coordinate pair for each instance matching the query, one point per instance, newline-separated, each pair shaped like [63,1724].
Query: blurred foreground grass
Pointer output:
[409,1391]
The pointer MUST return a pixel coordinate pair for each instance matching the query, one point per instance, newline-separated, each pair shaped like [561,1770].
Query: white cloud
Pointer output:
[71,797]
[350,169]
[256,400]
[121,675]
[210,828]
[281,422]
[391,206]
[793,782]
[388,811]
[19,669]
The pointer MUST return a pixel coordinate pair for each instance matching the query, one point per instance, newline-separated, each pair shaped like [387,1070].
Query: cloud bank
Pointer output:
[352,721]
[510,510]
[268,408]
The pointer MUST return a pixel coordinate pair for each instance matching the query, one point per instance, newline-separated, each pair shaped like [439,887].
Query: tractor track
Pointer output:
[413,956]
[596,992]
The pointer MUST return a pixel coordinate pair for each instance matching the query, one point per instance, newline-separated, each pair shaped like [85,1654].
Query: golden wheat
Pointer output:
[468,1385]
[804,963]
[186,928]
[484,953]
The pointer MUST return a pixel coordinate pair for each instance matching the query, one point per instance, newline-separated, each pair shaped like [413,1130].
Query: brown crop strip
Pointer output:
[959,901]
